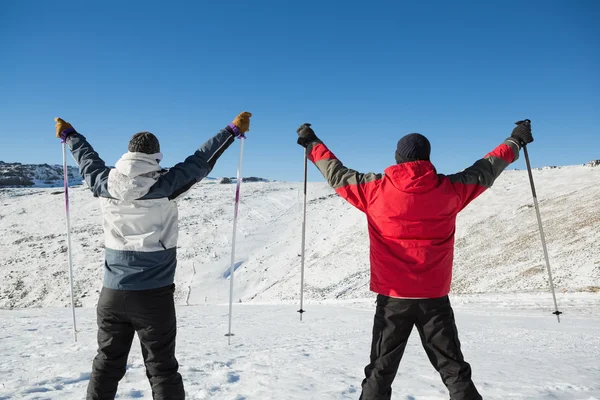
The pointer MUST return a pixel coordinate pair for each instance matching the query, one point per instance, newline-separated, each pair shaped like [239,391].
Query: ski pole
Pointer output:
[539,219]
[69,248]
[301,310]
[235,218]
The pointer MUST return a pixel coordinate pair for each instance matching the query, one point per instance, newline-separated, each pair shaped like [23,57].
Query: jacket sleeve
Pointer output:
[353,186]
[473,181]
[181,177]
[91,167]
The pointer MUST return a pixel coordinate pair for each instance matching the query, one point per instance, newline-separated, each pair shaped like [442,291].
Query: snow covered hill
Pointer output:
[498,245]
[35,175]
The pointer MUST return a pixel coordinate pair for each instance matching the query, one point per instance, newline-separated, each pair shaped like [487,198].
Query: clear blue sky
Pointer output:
[364,73]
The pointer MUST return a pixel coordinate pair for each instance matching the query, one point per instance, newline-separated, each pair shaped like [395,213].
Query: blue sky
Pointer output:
[363,73]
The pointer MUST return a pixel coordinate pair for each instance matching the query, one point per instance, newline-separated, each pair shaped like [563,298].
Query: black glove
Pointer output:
[306,135]
[522,133]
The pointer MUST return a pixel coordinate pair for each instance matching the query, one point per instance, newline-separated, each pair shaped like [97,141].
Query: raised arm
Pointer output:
[91,167]
[196,167]
[473,181]
[355,187]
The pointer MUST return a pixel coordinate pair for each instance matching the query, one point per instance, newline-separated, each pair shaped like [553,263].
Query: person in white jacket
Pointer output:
[139,210]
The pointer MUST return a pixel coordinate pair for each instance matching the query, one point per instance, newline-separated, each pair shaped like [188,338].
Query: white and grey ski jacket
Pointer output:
[139,209]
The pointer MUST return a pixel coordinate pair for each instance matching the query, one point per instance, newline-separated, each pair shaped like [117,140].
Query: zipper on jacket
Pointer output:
[161,243]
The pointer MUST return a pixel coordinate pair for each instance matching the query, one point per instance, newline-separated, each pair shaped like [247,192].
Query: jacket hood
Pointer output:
[413,177]
[134,174]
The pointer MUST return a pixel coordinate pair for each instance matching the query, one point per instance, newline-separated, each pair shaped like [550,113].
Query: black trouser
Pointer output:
[434,318]
[150,313]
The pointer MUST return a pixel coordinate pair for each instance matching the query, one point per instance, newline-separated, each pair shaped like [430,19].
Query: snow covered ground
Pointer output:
[513,342]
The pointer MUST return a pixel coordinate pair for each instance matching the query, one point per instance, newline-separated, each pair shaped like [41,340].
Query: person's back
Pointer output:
[140,225]
[411,212]
[411,229]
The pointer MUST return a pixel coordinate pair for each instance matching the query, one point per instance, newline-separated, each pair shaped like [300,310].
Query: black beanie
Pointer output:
[413,147]
[144,142]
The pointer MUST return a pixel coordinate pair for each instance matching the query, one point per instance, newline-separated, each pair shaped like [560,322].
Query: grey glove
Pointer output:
[306,135]
[522,133]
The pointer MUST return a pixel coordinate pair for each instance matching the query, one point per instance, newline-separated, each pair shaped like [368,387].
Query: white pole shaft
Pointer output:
[69,248]
[539,219]
[235,219]
[303,250]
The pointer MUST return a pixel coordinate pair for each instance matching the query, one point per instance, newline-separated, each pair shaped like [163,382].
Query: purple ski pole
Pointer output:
[235,218]
[69,248]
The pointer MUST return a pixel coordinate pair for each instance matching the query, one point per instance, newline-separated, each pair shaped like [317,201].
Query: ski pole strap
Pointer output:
[236,131]
[64,134]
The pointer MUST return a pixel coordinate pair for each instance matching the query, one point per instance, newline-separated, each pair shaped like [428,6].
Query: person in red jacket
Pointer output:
[411,213]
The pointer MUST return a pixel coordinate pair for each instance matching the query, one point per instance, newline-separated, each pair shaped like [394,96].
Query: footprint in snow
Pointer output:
[350,390]
[232,377]
[136,394]
[36,390]
[57,383]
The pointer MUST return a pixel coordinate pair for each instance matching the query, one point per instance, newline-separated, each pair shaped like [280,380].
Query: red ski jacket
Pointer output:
[411,212]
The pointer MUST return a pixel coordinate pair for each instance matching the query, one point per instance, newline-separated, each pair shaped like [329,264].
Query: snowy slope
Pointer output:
[515,346]
[498,246]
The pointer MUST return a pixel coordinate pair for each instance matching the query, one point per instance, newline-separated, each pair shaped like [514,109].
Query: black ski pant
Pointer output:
[150,313]
[434,319]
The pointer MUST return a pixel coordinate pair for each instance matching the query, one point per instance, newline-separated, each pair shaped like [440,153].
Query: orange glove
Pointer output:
[242,122]
[63,128]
